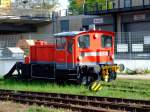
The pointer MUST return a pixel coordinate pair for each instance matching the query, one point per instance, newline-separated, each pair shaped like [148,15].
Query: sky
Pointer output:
[63,4]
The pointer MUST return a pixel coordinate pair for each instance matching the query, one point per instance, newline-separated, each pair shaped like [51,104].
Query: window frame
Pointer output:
[103,44]
[87,35]
[64,47]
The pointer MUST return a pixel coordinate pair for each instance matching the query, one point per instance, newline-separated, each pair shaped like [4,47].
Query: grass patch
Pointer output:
[112,89]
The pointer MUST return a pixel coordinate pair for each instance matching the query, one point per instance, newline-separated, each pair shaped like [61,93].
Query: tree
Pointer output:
[77,6]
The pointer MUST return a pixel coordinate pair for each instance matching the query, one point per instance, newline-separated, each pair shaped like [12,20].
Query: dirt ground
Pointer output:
[12,107]
[16,107]
[138,76]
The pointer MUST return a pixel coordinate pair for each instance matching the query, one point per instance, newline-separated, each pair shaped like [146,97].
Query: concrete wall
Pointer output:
[134,64]
[75,23]
[45,29]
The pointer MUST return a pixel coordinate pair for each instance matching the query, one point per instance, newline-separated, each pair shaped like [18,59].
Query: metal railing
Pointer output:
[115,5]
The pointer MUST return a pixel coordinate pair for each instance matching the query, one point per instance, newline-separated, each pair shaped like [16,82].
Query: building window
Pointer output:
[64,25]
[127,3]
[106,41]
[84,41]
[60,43]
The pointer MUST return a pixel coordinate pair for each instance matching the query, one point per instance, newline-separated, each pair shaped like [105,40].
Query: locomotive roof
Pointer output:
[65,34]
[74,33]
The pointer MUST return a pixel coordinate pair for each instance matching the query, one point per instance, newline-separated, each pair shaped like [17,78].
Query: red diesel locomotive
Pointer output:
[83,56]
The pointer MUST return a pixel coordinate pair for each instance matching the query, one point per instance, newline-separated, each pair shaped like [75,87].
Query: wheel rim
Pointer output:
[84,80]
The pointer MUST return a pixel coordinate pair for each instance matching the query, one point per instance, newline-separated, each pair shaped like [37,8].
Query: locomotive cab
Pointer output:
[95,56]
[82,56]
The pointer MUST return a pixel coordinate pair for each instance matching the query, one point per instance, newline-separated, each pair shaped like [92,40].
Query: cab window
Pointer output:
[84,41]
[60,43]
[106,41]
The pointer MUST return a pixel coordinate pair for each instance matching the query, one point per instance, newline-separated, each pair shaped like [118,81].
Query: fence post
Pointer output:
[130,46]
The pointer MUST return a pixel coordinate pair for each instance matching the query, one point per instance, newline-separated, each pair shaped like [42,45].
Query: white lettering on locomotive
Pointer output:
[104,53]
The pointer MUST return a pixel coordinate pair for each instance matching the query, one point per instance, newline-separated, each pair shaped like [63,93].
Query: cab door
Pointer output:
[61,53]
[84,52]
[64,56]
[70,53]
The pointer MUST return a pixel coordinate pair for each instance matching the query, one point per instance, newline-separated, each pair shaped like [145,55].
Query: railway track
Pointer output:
[76,102]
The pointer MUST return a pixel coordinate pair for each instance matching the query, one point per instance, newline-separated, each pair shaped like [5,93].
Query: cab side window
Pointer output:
[106,41]
[84,41]
[60,43]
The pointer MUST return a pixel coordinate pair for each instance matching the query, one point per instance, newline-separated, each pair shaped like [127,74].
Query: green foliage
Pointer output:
[133,89]
[146,71]
[77,6]
[26,52]
[74,7]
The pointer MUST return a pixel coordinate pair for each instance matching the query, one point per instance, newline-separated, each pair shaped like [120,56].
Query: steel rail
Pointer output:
[78,100]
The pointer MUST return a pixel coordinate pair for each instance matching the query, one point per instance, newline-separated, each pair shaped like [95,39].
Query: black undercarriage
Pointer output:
[81,74]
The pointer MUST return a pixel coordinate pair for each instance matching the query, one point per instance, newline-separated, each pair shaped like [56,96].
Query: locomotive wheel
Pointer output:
[113,76]
[84,80]
[87,80]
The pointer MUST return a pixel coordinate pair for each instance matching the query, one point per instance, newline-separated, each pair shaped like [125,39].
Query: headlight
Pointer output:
[112,56]
[79,58]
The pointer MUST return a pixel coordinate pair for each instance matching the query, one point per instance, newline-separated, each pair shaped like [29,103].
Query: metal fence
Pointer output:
[24,41]
[132,45]
[13,40]
[128,45]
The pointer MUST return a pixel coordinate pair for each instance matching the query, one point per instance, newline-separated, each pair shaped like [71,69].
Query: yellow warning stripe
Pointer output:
[93,85]
[97,86]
